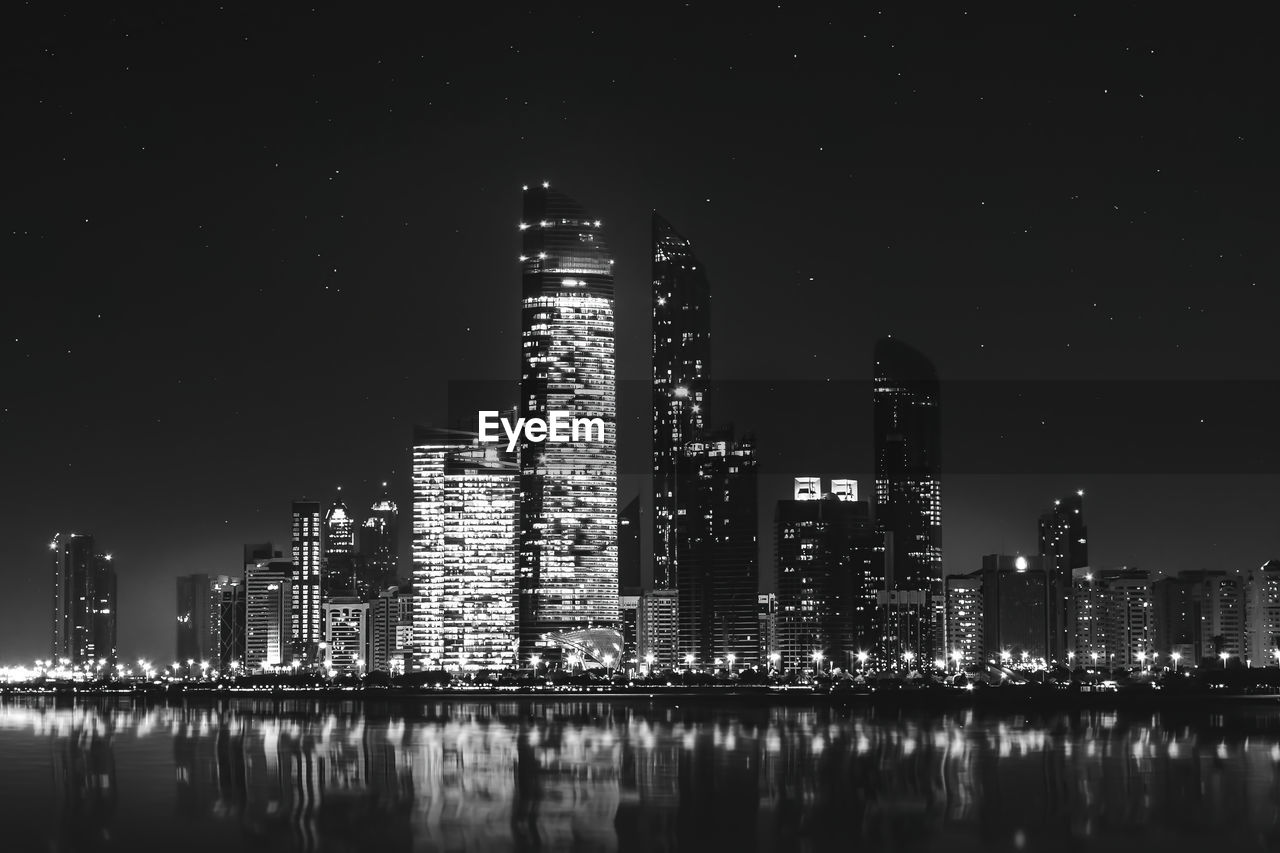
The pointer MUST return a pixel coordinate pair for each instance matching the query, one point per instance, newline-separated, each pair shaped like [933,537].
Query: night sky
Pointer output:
[245,250]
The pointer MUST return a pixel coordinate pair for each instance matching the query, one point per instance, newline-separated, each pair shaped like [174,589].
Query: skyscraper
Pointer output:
[84,603]
[465,498]
[1262,614]
[1014,602]
[198,612]
[719,576]
[629,548]
[380,541]
[1064,547]
[681,366]
[568,491]
[907,445]
[306,589]
[269,628]
[340,557]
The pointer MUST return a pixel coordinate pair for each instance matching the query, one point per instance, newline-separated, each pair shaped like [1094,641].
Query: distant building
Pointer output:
[1262,614]
[307,587]
[341,560]
[964,620]
[1015,599]
[347,636]
[629,548]
[767,617]
[230,596]
[391,618]
[1113,616]
[829,570]
[200,612]
[84,604]
[380,542]
[1200,614]
[629,606]
[1064,547]
[657,629]
[268,591]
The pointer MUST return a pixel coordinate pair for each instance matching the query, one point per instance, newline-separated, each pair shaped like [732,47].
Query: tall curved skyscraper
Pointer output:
[908,451]
[681,363]
[569,491]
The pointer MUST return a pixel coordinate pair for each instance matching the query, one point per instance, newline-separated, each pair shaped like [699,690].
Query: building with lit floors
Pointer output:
[1113,616]
[767,617]
[347,645]
[908,501]
[829,570]
[1262,614]
[465,528]
[391,630]
[307,589]
[657,630]
[681,336]
[341,559]
[1064,547]
[964,620]
[718,580]
[568,491]
[1200,615]
[268,593]
[84,604]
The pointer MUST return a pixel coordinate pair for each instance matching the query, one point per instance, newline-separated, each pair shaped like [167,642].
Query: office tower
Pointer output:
[465,503]
[767,617]
[719,577]
[657,629]
[681,367]
[828,572]
[1064,547]
[1015,600]
[269,632]
[229,653]
[306,589]
[339,549]
[198,613]
[84,603]
[1113,616]
[1262,614]
[1200,615]
[907,445]
[391,631]
[380,541]
[347,636]
[629,609]
[629,548]
[964,620]
[568,490]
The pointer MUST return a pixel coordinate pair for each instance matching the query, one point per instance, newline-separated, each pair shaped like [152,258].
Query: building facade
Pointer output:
[657,630]
[269,633]
[348,636]
[84,604]
[964,620]
[1064,547]
[306,588]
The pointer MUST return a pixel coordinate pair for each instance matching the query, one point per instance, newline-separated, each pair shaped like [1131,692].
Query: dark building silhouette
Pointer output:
[719,577]
[829,569]
[568,574]
[232,612]
[1014,603]
[197,624]
[1200,615]
[681,365]
[341,560]
[1063,547]
[908,502]
[380,542]
[84,603]
[629,548]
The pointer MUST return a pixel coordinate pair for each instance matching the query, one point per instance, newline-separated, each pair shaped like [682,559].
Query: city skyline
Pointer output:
[956,249]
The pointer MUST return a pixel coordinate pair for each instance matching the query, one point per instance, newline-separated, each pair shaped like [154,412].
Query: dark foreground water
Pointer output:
[628,775]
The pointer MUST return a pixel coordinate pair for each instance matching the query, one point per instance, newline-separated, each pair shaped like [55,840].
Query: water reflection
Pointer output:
[609,775]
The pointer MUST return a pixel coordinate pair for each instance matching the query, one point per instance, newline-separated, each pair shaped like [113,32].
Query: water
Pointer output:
[627,775]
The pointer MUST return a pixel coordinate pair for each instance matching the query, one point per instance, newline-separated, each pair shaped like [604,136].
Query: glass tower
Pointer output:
[84,603]
[568,491]
[1064,547]
[907,445]
[681,362]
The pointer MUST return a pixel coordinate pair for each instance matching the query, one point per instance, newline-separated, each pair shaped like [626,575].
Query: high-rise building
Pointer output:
[348,636]
[629,548]
[199,613]
[681,367]
[1262,614]
[1014,602]
[465,502]
[341,559]
[1200,615]
[391,617]
[629,607]
[657,630]
[964,619]
[828,572]
[306,589]
[1113,618]
[380,542]
[568,490]
[230,596]
[908,446]
[718,580]
[767,617]
[1064,547]
[84,603]
[269,632]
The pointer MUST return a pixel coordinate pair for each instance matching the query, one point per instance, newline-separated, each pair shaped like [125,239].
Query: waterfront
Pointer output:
[587,774]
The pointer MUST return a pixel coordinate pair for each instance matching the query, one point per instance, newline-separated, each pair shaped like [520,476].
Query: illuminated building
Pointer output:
[1262,614]
[828,572]
[681,364]
[657,630]
[380,542]
[629,608]
[1064,547]
[1014,603]
[964,619]
[767,618]
[907,446]
[347,636]
[568,491]
[339,550]
[718,578]
[1113,616]
[1201,615]
[268,591]
[84,603]
[391,631]
[465,500]
[306,591]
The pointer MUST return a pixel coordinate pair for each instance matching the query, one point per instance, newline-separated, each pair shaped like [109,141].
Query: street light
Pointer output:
[688,660]
[908,657]
[648,660]
[732,659]
[1175,657]
[774,659]
[817,662]
[534,661]
[1224,656]
[862,659]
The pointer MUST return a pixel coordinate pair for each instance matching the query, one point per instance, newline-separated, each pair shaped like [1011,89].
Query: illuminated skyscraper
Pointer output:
[465,498]
[308,564]
[681,364]
[84,602]
[1064,547]
[340,558]
[569,490]
[269,628]
[907,439]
